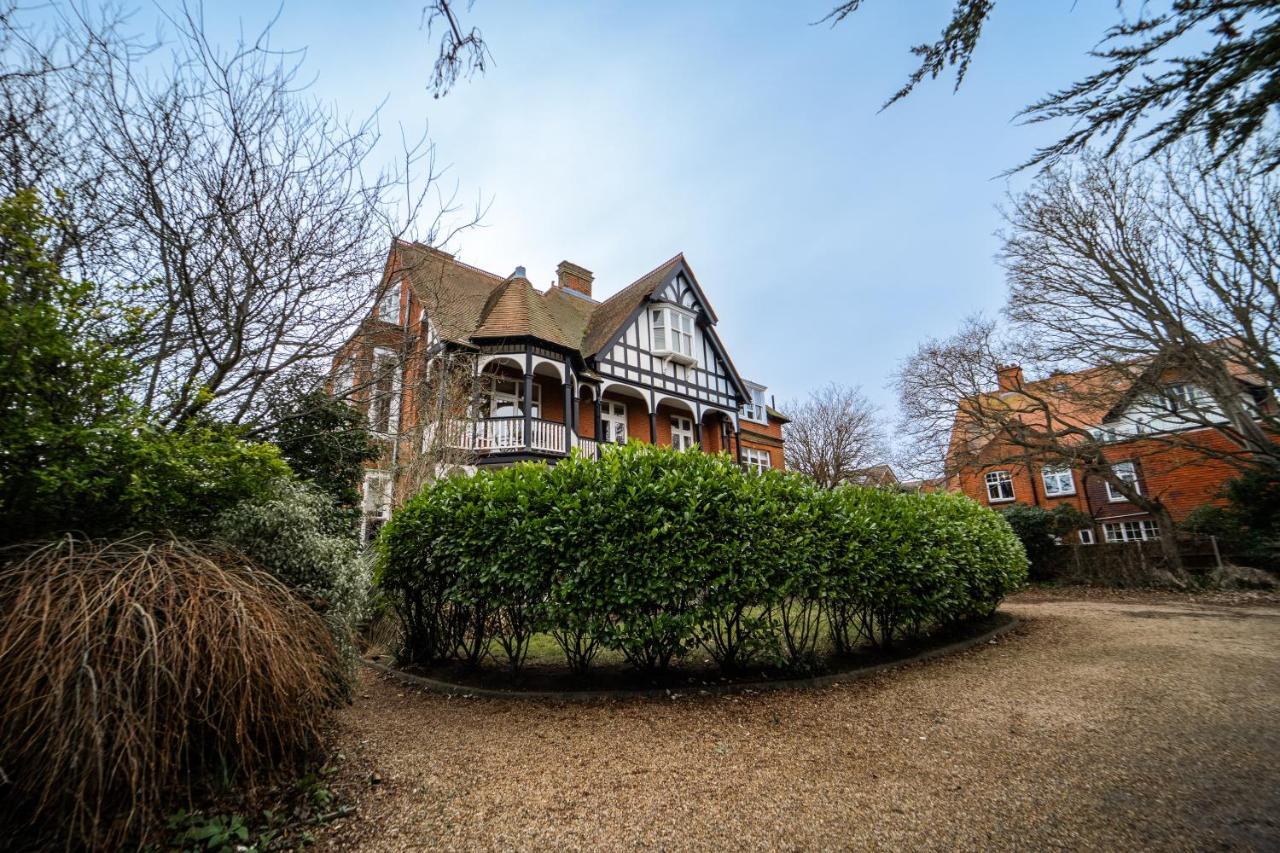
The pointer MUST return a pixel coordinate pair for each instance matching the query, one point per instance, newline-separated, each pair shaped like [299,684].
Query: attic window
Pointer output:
[389,305]
[673,334]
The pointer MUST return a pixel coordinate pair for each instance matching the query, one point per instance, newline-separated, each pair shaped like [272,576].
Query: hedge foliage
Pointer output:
[653,553]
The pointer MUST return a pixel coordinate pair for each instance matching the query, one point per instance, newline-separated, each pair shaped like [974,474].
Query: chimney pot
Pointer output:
[1009,377]
[570,276]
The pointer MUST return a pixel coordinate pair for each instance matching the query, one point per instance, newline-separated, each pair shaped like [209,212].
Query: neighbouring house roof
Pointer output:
[1082,399]
[875,475]
[776,415]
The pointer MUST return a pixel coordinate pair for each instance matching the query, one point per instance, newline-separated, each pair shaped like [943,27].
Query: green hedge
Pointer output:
[653,553]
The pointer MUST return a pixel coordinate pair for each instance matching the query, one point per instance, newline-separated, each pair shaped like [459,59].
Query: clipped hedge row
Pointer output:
[652,553]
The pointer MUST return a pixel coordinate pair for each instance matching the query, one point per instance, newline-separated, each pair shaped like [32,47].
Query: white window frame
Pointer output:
[1051,477]
[1086,536]
[1180,396]
[673,336]
[997,479]
[681,432]
[389,304]
[1141,530]
[381,358]
[613,421]
[375,501]
[754,409]
[506,392]
[1132,477]
[756,461]
[344,378]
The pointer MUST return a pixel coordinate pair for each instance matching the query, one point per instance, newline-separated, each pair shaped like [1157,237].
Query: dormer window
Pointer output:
[673,334]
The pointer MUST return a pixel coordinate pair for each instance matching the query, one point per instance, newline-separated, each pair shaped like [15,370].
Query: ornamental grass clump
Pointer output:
[137,672]
[652,553]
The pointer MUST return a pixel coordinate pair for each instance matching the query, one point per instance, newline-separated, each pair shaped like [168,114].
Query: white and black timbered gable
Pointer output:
[669,344]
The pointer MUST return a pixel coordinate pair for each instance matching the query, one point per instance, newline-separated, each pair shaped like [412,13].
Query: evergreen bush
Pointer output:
[652,552]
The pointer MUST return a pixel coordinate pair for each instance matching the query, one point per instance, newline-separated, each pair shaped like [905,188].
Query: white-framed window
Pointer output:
[673,333]
[375,504]
[389,305]
[1086,536]
[757,461]
[681,432]
[613,421]
[1143,530]
[384,393]
[755,410]
[999,486]
[1057,481]
[505,398]
[1128,472]
[1180,397]
[344,378]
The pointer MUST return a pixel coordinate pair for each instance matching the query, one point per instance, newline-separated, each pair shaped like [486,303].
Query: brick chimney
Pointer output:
[1009,377]
[574,277]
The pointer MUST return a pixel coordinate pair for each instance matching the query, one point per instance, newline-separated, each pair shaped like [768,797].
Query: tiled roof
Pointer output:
[609,315]
[514,309]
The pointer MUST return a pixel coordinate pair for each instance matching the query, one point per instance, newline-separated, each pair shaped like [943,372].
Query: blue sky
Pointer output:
[830,238]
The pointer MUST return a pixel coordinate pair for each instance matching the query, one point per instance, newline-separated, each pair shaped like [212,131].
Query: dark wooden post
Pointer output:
[653,428]
[528,400]
[568,409]
[599,416]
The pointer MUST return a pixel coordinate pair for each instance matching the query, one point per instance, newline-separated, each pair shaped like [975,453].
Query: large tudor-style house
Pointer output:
[1161,439]
[473,369]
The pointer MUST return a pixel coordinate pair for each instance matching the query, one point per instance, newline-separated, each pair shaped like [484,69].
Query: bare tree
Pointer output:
[243,222]
[1196,67]
[461,54]
[834,434]
[1150,271]
[951,414]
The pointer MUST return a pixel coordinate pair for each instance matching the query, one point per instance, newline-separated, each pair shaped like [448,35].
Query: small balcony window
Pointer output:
[681,432]
[999,487]
[613,421]
[673,334]
[505,399]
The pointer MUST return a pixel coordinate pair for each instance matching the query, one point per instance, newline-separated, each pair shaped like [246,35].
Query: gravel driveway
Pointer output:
[1096,723]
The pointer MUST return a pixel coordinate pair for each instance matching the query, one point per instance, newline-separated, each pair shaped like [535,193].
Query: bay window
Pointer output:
[673,334]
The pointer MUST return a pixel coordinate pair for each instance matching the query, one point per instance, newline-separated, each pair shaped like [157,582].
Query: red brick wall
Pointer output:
[765,437]
[1180,477]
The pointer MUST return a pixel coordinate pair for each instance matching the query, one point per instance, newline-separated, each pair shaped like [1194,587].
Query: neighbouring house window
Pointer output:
[1131,531]
[681,432]
[1058,482]
[506,398]
[1179,397]
[757,461]
[1086,536]
[673,333]
[613,420]
[344,379]
[755,409]
[999,486]
[375,504]
[1128,472]
[389,306]
[384,396]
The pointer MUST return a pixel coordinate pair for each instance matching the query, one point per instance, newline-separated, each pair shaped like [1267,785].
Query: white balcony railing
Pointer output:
[489,435]
[588,446]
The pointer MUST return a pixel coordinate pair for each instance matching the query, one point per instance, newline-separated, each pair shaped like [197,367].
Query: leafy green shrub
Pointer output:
[296,532]
[1248,527]
[650,552]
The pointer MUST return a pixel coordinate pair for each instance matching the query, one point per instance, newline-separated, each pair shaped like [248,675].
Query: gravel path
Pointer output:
[1096,723]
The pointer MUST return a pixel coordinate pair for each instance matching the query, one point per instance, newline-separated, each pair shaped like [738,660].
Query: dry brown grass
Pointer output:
[134,672]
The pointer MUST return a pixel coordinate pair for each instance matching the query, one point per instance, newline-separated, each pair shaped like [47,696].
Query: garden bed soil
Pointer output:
[698,672]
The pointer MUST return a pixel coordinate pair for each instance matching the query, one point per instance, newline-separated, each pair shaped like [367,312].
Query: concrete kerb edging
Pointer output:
[445,688]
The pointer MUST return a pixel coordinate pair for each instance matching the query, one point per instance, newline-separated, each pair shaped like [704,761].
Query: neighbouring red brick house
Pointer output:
[1134,431]
[552,370]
